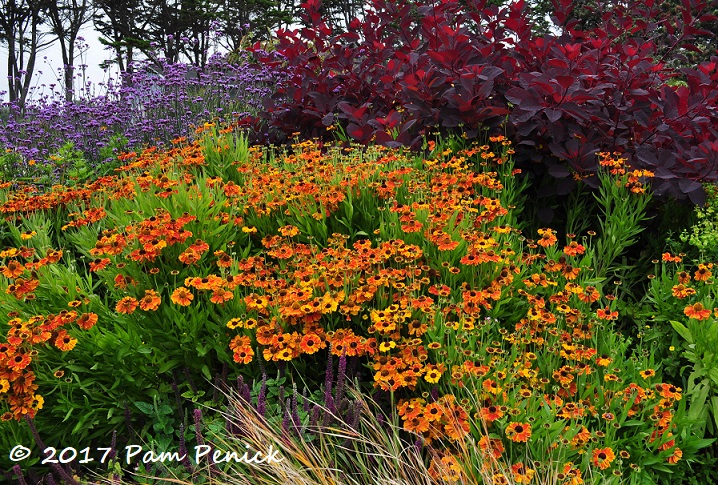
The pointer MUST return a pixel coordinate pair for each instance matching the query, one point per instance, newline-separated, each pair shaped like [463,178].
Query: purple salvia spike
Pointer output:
[328,416]
[198,426]
[357,415]
[262,397]
[246,394]
[295,410]
[183,450]
[113,446]
[341,376]
[128,419]
[314,418]
[20,477]
[329,378]
[306,405]
[55,467]
[286,419]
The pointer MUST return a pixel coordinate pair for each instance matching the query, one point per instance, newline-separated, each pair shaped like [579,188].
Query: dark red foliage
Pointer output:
[406,70]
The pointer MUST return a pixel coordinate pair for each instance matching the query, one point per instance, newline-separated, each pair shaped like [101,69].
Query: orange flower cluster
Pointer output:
[631,179]
[17,380]
[683,289]
[435,420]
[23,275]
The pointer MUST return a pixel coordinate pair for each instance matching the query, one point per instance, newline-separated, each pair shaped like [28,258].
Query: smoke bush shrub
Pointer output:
[407,69]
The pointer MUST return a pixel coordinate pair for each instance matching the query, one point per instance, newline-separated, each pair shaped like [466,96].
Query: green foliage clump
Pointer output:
[704,234]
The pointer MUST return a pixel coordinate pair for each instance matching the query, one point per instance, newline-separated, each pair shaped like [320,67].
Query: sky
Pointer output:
[49,63]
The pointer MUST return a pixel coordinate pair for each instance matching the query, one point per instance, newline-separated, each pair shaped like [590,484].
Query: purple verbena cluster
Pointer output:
[154,103]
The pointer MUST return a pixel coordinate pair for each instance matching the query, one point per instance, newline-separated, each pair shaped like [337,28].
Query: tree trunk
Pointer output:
[66,68]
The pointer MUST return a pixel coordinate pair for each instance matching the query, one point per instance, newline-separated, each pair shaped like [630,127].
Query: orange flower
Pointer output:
[265,334]
[242,349]
[220,295]
[518,432]
[589,294]
[13,269]
[648,373]
[703,273]
[239,341]
[289,231]
[522,475]
[199,246]
[311,343]
[224,260]
[283,354]
[64,341]
[18,361]
[606,314]
[87,321]
[151,301]
[189,256]
[548,237]
[491,386]
[569,272]
[573,474]
[602,457]
[211,282]
[416,424]
[677,455]
[126,305]
[433,373]
[53,256]
[681,291]
[492,446]
[143,254]
[564,375]
[182,296]
[669,258]
[574,249]
[6,351]
[99,264]
[491,413]
[669,391]
[697,311]
[243,355]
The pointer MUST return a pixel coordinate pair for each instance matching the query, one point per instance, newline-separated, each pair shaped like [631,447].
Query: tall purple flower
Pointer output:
[262,397]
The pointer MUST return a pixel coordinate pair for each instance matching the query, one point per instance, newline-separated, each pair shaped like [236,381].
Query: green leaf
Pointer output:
[167,366]
[713,374]
[80,424]
[164,409]
[192,395]
[146,408]
[206,373]
[202,349]
[77,368]
[682,331]
[698,400]
[632,422]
